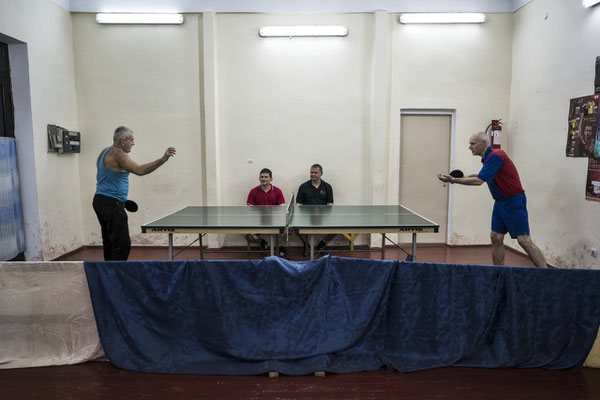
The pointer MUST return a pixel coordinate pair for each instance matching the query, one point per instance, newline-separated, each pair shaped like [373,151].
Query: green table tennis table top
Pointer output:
[304,219]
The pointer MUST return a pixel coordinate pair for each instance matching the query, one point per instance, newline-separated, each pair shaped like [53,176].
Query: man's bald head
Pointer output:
[478,143]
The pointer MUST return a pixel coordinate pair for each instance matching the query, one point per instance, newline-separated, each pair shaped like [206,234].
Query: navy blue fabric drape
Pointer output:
[339,315]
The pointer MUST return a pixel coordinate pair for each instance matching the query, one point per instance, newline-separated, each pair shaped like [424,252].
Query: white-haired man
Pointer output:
[112,186]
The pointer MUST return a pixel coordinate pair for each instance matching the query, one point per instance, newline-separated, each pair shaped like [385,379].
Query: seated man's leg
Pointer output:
[323,243]
[305,243]
[253,238]
[256,239]
[283,243]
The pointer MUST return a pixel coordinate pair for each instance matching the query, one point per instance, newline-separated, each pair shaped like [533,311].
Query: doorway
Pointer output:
[7,124]
[425,150]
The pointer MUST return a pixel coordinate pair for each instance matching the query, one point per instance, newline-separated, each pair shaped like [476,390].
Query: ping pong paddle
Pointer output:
[457,173]
[131,206]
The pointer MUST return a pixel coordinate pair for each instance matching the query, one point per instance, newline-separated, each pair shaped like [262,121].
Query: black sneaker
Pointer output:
[263,244]
[283,252]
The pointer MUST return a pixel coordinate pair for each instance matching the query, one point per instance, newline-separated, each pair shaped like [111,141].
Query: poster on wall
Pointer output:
[592,191]
[597,77]
[582,131]
[597,147]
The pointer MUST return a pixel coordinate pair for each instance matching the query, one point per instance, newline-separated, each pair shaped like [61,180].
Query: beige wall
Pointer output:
[46,30]
[554,52]
[466,68]
[286,104]
[146,78]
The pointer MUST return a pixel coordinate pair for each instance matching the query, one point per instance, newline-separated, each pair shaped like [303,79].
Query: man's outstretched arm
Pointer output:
[471,180]
[128,164]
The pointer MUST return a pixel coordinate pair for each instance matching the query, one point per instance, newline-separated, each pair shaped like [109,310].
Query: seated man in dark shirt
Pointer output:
[318,192]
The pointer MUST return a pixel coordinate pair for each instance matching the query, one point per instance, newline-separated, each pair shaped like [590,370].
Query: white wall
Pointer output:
[45,28]
[146,78]
[286,104]
[554,51]
[289,103]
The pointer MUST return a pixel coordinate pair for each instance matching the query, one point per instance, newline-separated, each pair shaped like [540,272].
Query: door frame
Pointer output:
[23,125]
[452,114]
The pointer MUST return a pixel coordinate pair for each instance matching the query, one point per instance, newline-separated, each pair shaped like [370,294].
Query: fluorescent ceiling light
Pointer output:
[304,30]
[131,18]
[442,18]
[589,3]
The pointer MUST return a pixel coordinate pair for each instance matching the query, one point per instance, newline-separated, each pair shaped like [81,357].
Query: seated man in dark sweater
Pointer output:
[318,192]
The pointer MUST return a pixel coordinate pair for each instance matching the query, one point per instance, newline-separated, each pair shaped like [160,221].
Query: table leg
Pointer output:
[171,246]
[272,240]
[201,246]
[383,246]
[312,246]
[414,246]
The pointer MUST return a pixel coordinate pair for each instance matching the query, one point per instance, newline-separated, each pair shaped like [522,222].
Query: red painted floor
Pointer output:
[426,253]
[101,380]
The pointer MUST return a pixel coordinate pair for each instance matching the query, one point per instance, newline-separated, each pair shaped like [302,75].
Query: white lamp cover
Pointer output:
[134,18]
[303,30]
[441,18]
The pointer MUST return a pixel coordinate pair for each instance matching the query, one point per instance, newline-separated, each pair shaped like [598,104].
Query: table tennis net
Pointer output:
[289,210]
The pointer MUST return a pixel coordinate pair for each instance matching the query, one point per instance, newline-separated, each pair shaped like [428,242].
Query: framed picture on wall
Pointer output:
[592,191]
[583,126]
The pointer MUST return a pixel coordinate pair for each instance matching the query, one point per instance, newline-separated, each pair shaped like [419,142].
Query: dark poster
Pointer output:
[583,115]
[597,148]
[592,188]
[597,77]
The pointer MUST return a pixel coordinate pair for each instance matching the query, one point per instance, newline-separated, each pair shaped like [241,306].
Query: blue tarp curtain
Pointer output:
[340,315]
[12,232]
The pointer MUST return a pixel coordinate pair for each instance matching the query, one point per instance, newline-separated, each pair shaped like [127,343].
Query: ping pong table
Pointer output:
[303,220]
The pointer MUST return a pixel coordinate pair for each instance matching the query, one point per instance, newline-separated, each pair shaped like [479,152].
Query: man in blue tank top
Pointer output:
[510,205]
[112,187]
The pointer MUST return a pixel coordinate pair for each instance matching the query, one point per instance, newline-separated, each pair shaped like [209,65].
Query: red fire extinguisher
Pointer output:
[495,134]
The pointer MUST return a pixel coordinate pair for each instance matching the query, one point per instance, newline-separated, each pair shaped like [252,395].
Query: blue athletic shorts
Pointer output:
[510,215]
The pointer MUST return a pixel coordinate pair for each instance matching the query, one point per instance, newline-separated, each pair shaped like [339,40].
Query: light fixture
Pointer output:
[590,3]
[303,30]
[442,18]
[134,18]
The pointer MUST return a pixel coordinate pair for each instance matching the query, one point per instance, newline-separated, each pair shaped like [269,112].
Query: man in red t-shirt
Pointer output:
[265,194]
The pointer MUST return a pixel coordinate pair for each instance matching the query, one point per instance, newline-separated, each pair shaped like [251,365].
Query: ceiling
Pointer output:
[289,6]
